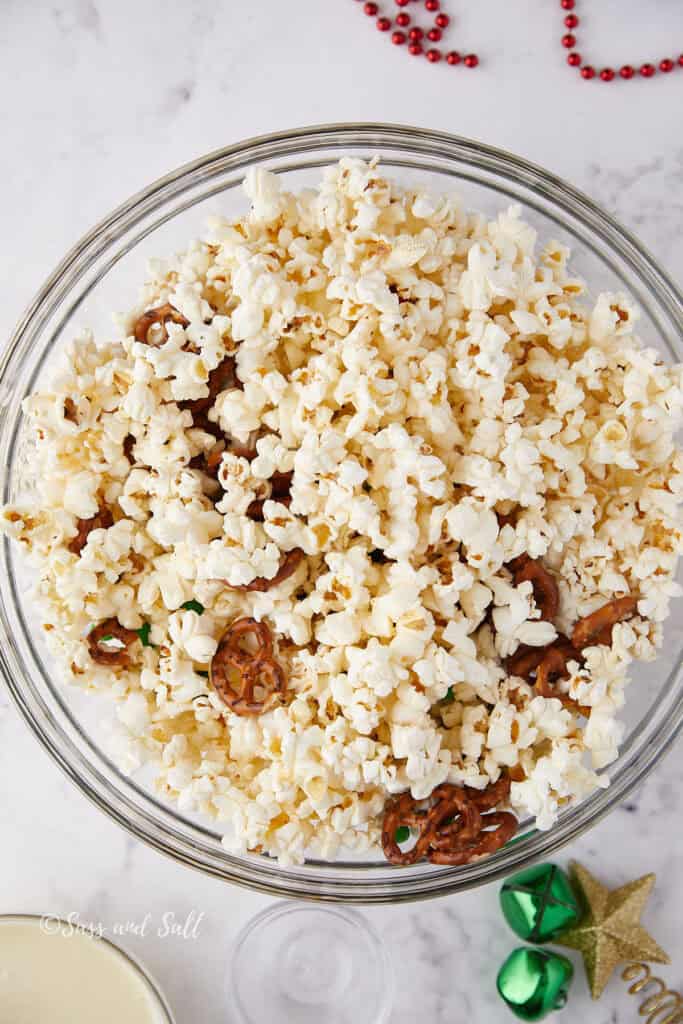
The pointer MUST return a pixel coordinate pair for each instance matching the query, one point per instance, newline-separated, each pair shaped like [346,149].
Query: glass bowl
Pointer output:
[103,272]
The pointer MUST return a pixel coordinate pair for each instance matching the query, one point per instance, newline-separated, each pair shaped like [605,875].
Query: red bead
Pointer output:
[574,59]
[606,74]
[453,57]
[666,65]
[415,35]
[571,21]
[370,9]
[471,60]
[680,60]
[647,70]
[587,72]
[567,5]
[432,5]
[569,40]
[398,38]
[433,56]
[627,71]
[403,19]
[415,49]
[384,24]
[401,3]
[434,35]
[442,21]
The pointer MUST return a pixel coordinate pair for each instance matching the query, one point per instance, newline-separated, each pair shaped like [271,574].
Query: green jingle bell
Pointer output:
[533,983]
[540,903]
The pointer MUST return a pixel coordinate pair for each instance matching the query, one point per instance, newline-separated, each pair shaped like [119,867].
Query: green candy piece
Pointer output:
[540,903]
[533,983]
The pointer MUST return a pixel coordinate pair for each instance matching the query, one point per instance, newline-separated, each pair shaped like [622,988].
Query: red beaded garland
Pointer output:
[626,71]
[453,57]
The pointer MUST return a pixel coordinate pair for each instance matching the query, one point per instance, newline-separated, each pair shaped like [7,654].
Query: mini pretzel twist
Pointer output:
[452,829]
[503,826]
[405,811]
[597,627]
[280,484]
[102,521]
[111,628]
[160,315]
[289,563]
[546,593]
[237,672]
[220,379]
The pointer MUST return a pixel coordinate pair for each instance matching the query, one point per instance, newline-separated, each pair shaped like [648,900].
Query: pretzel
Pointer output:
[524,661]
[128,444]
[279,491]
[289,563]
[554,667]
[237,673]
[503,825]
[405,811]
[220,379]
[546,593]
[597,627]
[160,315]
[102,521]
[111,628]
[494,794]
[452,830]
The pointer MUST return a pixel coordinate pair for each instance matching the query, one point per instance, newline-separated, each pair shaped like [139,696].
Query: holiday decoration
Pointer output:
[533,983]
[543,904]
[416,36]
[539,903]
[610,931]
[626,71]
[442,21]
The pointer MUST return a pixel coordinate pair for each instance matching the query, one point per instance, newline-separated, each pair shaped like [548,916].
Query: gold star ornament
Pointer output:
[610,930]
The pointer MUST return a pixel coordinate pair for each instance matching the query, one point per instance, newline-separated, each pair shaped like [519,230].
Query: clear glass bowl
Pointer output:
[103,273]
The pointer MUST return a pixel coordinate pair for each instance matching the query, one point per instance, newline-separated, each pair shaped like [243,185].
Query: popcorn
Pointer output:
[444,401]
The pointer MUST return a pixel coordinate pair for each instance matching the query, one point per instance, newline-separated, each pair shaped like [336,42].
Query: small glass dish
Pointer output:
[103,272]
[89,961]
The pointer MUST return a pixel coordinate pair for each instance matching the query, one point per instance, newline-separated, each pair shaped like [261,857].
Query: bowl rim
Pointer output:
[562,196]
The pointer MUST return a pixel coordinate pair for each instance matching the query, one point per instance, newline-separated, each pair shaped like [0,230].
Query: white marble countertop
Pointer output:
[103,97]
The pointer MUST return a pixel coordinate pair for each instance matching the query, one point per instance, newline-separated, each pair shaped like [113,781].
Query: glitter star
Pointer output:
[610,931]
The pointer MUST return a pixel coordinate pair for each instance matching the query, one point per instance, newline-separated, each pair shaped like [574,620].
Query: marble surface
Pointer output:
[103,97]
